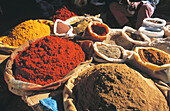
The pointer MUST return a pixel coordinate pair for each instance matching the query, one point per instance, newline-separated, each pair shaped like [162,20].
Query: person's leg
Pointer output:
[117,11]
[145,11]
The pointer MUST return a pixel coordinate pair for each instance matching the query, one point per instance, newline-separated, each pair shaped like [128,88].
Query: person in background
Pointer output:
[132,12]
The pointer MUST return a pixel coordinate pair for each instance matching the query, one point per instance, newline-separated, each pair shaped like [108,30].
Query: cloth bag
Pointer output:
[22,88]
[69,98]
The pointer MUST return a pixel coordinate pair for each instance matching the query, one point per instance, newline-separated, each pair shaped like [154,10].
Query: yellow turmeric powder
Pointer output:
[25,31]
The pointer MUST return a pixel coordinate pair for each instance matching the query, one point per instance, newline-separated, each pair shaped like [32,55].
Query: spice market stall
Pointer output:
[74,62]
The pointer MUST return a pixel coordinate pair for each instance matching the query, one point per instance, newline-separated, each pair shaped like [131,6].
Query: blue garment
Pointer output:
[49,104]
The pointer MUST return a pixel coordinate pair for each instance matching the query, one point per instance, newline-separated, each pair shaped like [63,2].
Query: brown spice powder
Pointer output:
[111,87]
[153,56]
[110,51]
[99,30]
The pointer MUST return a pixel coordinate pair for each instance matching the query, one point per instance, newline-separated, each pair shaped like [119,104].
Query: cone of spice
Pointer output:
[96,31]
[152,61]
[62,28]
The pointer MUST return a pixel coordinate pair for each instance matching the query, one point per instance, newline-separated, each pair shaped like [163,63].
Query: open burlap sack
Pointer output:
[145,42]
[9,49]
[160,72]
[103,58]
[34,100]
[69,98]
[22,88]
[167,30]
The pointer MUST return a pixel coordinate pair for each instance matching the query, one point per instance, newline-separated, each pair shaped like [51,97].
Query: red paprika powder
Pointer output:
[47,60]
[62,14]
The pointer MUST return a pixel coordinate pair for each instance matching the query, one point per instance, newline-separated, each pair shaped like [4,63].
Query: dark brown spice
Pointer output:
[99,30]
[153,56]
[134,36]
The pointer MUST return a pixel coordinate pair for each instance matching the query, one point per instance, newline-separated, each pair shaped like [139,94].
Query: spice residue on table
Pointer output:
[47,60]
[112,87]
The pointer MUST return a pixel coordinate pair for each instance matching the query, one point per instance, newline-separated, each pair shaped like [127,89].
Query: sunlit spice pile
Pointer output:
[47,60]
[62,14]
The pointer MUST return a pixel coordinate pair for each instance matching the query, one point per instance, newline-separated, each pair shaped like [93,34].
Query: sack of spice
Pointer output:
[162,44]
[115,38]
[152,61]
[42,64]
[62,28]
[27,30]
[112,87]
[79,23]
[109,53]
[135,36]
[167,30]
[96,31]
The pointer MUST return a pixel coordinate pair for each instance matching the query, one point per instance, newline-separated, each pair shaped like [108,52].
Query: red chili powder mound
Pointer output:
[99,30]
[62,14]
[47,60]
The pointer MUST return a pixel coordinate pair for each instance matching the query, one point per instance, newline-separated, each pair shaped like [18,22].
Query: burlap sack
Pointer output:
[146,41]
[125,53]
[9,49]
[167,30]
[115,38]
[33,100]
[162,44]
[22,88]
[69,98]
[161,72]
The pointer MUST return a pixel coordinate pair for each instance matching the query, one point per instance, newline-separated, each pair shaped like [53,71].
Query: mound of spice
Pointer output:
[47,60]
[110,51]
[114,87]
[25,31]
[62,14]
[153,56]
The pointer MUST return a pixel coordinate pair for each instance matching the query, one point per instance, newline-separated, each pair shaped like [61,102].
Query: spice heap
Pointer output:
[47,60]
[62,14]
[25,31]
[112,87]
[153,56]
[110,51]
